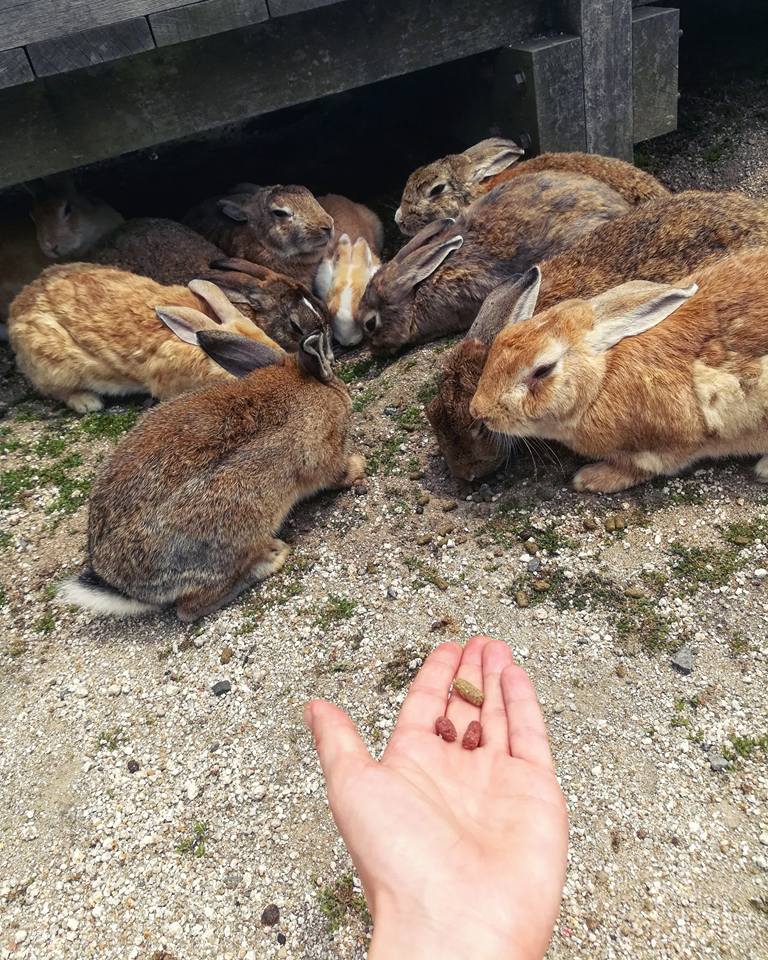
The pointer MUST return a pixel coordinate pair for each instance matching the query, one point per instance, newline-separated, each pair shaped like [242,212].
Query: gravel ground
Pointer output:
[143,815]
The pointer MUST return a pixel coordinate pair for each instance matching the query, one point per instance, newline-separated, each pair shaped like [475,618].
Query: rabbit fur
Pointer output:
[81,331]
[447,186]
[647,377]
[660,241]
[187,510]
[418,297]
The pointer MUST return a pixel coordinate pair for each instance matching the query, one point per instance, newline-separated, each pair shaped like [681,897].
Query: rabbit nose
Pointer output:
[399,216]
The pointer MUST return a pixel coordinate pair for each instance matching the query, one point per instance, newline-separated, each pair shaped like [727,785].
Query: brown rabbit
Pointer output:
[646,377]
[187,510]
[447,186]
[353,219]
[417,297]
[280,227]
[76,227]
[284,308]
[81,331]
[660,241]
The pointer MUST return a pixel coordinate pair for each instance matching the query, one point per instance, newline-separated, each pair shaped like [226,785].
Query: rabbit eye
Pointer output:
[372,322]
[543,371]
[281,213]
[437,189]
[296,327]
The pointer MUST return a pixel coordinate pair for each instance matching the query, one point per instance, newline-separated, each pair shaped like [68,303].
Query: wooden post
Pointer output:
[605,28]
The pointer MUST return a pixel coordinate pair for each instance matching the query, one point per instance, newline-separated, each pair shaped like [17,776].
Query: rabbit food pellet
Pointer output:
[444,728]
[469,692]
[471,738]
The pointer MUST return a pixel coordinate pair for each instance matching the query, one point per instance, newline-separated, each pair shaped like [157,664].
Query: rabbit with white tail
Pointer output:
[646,378]
[187,510]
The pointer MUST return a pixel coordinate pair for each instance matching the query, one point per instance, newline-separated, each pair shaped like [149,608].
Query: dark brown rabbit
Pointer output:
[280,227]
[187,510]
[418,297]
[447,186]
[282,307]
[660,241]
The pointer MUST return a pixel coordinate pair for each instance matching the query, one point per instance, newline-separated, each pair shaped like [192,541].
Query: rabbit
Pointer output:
[417,296]
[280,227]
[647,378]
[660,241]
[341,282]
[187,510]
[284,308]
[75,227]
[354,220]
[81,331]
[447,186]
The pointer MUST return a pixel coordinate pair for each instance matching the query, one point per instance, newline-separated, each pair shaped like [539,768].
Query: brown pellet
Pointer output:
[444,728]
[473,735]
[469,692]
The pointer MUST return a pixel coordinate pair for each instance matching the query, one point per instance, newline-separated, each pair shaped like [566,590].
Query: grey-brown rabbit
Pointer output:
[187,510]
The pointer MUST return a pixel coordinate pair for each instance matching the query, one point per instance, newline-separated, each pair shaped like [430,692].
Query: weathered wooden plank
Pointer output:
[655,41]
[605,28]
[90,47]
[92,114]
[281,8]
[14,68]
[539,93]
[28,21]
[205,18]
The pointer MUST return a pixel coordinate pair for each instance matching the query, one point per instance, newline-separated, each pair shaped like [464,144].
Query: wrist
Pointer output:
[454,936]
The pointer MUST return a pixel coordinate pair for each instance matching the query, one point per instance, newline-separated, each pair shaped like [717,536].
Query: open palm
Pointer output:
[461,853]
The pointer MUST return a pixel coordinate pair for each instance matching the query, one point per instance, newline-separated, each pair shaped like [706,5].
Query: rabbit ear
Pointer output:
[421,264]
[185,322]
[216,299]
[426,233]
[510,302]
[315,356]
[237,355]
[361,252]
[489,157]
[633,308]
[244,266]
[233,211]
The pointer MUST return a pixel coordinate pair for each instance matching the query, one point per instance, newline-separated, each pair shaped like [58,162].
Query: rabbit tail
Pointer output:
[92,593]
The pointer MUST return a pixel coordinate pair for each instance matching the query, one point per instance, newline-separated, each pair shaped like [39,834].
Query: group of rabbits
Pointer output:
[600,311]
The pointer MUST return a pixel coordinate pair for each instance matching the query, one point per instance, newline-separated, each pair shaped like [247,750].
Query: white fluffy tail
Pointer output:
[92,593]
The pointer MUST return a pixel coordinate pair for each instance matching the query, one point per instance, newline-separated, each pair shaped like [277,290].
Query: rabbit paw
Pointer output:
[355,471]
[761,469]
[606,478]
[275,557]
[83,401]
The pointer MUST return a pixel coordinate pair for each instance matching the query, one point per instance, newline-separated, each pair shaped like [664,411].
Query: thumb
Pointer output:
[337,741]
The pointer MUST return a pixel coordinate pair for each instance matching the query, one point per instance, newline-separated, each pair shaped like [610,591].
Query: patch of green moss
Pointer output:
[107,424]
[194,842]
[426,573]
[363,399]
[339,900]
[45,624]
[744,747]
[429,389]
[335,610]
[397,673]
[744,533]
[351,370]
[704,566]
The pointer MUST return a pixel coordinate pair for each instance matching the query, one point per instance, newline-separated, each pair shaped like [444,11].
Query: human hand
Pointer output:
[461,853]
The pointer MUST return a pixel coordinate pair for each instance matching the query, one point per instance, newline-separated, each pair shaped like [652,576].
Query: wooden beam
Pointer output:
[92,114]
[28,21]
[605,28]
[14,68]
[281,8]
[655,41]
[90,47]
[540,95]
[205,18]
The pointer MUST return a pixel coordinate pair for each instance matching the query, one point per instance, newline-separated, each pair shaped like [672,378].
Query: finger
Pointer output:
[470,668]
[337,741]
[428,694]
[493,714]
[527,731]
